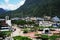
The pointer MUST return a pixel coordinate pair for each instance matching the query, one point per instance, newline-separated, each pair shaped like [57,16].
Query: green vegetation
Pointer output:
[36,8]
[46,37]
[22,22]
[54,37]
[39,35]
[5,33]
[30,22]
[19,22]
[21,38]
[26,30]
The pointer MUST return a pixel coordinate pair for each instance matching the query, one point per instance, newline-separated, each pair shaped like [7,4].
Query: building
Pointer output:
[55,19]
[5,25]
[16,18]
[47,18]
[45,23]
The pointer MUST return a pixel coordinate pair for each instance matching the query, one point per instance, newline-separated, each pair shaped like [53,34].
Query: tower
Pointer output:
[7,18]
[8,21]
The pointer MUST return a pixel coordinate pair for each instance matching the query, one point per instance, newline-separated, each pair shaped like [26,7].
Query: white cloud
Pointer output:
[3,6]
[6,1]
[11,6]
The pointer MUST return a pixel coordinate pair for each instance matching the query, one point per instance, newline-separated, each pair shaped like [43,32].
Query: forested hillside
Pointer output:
[36,8]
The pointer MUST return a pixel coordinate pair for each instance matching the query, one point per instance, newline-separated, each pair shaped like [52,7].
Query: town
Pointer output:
[29,19]
[30,28]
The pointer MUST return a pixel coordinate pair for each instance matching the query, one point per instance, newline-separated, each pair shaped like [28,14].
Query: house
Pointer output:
[5,25]
[55,19]
[27,19]
[16,18]
[56,25]
[45,23]
[47,18]
[39,19]
[33,18]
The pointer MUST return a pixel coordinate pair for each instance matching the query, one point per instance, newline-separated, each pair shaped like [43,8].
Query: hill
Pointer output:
[2,11]
[36,8]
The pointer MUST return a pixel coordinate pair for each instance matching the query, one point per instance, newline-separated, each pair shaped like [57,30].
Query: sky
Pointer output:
[11,4]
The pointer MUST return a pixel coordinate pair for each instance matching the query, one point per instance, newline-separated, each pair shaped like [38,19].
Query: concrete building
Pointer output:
[45,23]
[5,24]
[55,19]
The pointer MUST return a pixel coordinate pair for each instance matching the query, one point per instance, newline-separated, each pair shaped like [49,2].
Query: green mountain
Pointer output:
[36,8]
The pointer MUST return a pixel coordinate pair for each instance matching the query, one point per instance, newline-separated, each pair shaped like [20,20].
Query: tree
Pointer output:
[19,22]
[5,34]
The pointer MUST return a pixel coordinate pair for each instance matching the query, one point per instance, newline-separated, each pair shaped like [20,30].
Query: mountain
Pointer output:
[2,11]
[37,8]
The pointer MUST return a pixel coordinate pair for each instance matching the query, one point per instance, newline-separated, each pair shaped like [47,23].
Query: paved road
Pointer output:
[17,32]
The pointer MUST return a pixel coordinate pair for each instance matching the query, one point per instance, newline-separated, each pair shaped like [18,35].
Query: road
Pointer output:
[17,32]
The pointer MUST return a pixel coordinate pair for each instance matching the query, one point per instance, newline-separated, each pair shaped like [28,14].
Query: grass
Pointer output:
[21,38]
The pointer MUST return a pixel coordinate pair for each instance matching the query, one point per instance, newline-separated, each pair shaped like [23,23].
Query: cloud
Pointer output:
[9,6]
[3,6]
[6,1]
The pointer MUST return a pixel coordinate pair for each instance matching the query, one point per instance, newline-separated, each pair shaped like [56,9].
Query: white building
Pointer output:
[5,24]
[56,19]
[45,23]
[16,18]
